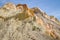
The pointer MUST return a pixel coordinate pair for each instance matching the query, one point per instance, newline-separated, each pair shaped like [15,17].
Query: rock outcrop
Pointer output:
[18,22]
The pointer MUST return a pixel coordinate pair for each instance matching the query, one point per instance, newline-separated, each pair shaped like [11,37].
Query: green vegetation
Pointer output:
[34,18]
[35,28]
[51,17]
[22,16]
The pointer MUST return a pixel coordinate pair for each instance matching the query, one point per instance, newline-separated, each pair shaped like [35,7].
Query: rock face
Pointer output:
[18,22]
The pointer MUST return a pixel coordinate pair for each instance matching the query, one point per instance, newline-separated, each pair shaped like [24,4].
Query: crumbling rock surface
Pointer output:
[18,22]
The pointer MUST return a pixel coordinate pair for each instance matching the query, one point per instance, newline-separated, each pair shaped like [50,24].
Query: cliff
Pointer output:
[19,22]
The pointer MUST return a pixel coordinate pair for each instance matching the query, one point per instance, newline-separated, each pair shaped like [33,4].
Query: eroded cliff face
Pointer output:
[18,22]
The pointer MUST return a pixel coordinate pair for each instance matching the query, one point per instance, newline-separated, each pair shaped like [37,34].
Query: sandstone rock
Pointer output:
[18,22]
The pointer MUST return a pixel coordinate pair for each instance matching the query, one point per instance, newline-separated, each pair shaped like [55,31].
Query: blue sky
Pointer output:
[51,7]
